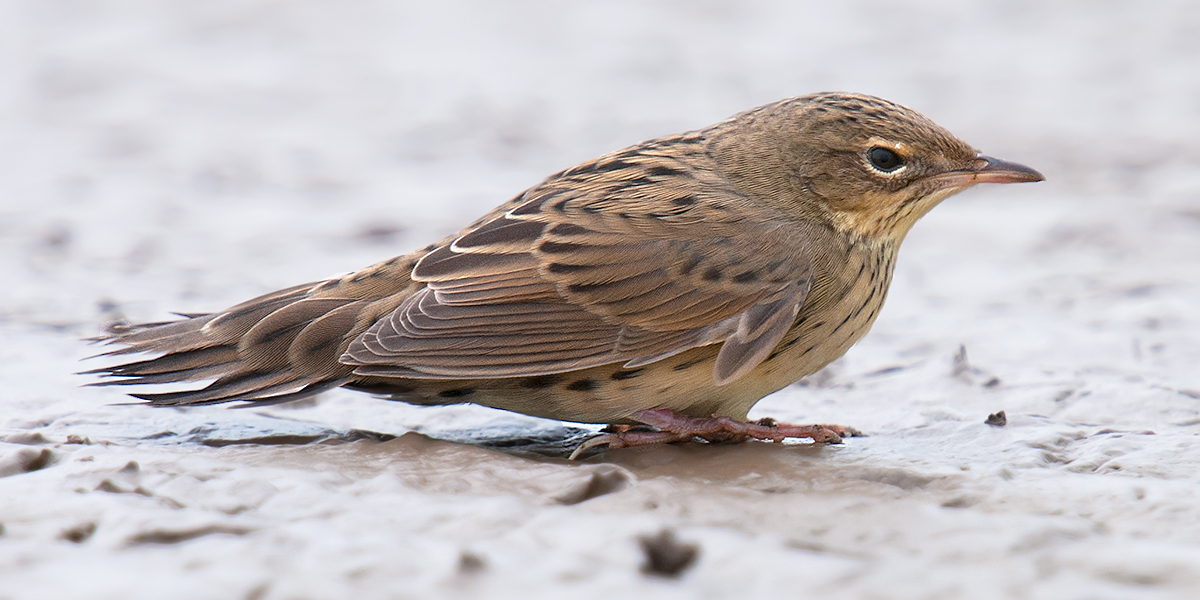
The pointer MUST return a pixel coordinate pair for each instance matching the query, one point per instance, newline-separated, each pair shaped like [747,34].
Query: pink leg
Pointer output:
[674,427]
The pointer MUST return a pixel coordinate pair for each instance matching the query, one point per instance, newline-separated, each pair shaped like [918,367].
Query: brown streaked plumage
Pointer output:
[686,276]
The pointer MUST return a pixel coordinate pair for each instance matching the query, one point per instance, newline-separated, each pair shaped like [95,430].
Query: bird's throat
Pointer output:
[892,221]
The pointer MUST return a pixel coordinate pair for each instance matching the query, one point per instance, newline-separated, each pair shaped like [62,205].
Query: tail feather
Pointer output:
[265,345]
[227,389]
[186,334]
[188,365]
[278,347]
[232,324]
[323,339]
[177,362]
[180,377]
[307,391]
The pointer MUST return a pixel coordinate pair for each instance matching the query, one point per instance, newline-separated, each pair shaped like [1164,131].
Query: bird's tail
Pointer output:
[278,347]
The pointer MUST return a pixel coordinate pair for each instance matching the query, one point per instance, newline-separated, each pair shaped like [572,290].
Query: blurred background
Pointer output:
[184,156]
[180,147]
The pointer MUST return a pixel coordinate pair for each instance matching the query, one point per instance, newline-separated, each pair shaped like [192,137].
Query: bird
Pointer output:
[662,289]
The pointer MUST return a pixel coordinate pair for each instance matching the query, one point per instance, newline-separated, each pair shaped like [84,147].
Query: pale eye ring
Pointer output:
[884,160]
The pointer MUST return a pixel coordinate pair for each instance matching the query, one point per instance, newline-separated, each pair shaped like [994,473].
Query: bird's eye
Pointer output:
[885,160]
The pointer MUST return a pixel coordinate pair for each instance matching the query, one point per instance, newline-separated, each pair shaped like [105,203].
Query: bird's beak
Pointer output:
[986,169]
[994,170]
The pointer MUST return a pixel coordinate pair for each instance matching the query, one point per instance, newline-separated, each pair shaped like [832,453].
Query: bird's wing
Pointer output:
[631,258]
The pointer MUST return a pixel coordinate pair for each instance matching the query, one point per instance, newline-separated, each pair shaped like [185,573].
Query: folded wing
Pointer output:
[630,259]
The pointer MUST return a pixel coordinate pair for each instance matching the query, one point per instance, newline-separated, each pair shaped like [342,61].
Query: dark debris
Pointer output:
[79,533]
[602,481]
[470,563]
[665,555]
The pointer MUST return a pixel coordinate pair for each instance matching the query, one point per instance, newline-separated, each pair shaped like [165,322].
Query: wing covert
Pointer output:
[631,258]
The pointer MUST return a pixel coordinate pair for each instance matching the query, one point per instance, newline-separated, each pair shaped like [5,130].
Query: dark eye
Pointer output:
[883,159]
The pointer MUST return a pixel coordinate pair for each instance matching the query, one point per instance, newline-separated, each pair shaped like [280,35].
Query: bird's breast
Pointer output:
[840,309]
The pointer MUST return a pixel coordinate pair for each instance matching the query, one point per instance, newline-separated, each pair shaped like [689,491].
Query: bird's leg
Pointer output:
[722,429]
[674,427]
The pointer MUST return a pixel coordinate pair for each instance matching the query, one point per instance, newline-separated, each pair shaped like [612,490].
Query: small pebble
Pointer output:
[667,556]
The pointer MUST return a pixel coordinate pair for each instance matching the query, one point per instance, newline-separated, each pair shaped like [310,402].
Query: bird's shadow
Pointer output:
[553,443]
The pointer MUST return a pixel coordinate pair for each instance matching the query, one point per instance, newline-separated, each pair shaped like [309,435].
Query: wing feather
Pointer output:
[630,259]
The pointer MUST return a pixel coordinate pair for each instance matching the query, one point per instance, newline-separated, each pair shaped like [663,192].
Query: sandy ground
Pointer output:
[183,156]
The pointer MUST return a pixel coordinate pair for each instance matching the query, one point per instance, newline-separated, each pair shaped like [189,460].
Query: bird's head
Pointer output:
[870,166]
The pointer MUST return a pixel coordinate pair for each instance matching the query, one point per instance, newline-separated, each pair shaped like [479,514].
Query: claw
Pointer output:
[846,431]
[600,440]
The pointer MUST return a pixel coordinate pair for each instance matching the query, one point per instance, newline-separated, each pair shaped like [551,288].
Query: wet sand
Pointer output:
[181,157]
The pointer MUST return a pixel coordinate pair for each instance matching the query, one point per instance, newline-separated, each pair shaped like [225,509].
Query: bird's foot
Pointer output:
[673,427]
